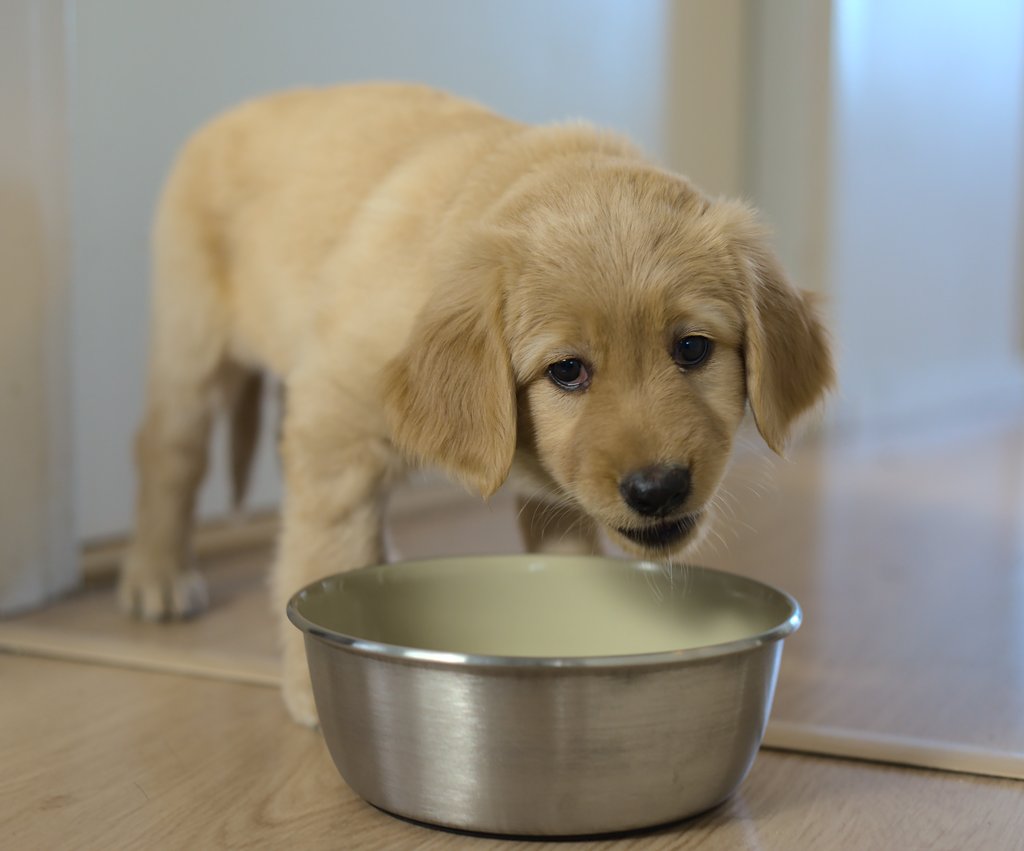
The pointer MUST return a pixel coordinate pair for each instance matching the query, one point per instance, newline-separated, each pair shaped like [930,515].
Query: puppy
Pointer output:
[435,284]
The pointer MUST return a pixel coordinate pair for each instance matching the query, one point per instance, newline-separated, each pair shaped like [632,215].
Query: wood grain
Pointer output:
[101,758]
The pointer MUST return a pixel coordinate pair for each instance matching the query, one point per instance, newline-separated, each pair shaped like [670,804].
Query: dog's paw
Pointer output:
[296,687]
[298,699]
[155,595]
[301,705]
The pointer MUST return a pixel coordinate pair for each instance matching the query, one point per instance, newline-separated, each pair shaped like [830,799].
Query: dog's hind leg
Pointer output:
[186,373]
[157,578]
[243,400]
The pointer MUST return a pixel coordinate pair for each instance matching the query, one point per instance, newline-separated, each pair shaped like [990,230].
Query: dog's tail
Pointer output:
[244,405]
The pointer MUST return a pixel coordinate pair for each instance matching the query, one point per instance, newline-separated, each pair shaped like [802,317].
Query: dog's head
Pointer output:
[608,328]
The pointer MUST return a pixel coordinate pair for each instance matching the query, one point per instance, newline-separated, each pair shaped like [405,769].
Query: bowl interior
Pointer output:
[542,607]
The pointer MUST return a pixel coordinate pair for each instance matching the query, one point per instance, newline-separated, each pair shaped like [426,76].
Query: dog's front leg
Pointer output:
[337,472]
[547,527]
[158,579]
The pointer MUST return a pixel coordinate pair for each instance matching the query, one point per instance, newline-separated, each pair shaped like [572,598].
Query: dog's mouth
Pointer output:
[664,535]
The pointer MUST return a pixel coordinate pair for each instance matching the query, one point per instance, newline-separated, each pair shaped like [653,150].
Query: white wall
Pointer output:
[705,111]
[786,143]
[928,110]
[884,147]
[146,74]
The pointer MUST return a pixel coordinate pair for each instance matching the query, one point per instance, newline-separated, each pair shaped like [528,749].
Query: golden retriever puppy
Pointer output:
[435,284]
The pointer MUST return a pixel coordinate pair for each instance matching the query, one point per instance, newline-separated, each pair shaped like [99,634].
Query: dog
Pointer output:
[434,284]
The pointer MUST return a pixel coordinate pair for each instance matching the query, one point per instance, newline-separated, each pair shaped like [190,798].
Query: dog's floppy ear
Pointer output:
[450,394]
[786,348]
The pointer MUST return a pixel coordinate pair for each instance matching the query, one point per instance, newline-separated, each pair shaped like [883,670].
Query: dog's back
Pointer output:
[263,197]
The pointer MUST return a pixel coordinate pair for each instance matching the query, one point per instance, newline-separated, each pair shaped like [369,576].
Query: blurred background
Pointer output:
[882,141]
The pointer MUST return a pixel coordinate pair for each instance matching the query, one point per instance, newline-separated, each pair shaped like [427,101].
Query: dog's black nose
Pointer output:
[656,490]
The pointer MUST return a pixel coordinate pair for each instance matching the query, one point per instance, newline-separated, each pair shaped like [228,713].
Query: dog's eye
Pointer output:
[692,351]
[569,374]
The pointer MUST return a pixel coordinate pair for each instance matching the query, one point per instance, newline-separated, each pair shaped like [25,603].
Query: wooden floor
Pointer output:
[101,758]
[909,563]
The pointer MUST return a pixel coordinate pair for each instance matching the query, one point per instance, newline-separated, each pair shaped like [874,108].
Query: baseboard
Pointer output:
[944,406]
[217,536]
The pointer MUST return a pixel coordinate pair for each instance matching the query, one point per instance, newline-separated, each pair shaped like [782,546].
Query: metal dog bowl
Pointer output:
[543,695]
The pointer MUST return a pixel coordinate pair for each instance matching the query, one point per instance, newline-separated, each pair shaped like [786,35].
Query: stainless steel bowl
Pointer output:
[543,695]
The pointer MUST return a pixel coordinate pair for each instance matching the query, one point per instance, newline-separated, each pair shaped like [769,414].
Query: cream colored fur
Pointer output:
[409,265]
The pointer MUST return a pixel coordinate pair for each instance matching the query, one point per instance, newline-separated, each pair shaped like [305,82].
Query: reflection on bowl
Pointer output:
[543,695]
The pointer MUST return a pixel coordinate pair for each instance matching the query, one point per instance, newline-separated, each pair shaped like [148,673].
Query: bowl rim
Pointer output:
[445,658]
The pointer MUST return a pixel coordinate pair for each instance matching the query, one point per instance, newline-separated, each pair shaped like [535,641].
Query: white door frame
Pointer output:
[38,545]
